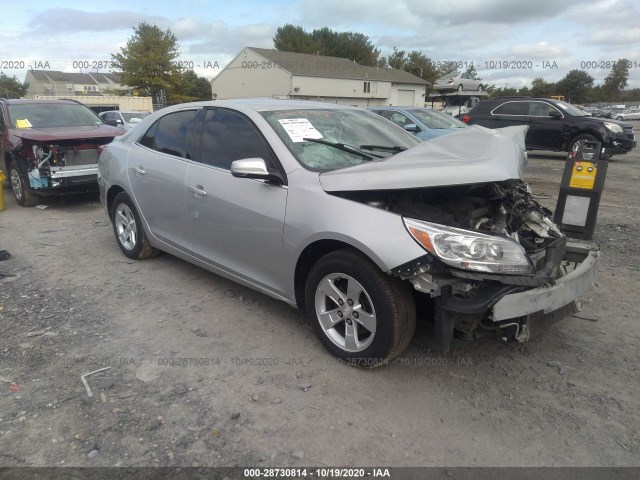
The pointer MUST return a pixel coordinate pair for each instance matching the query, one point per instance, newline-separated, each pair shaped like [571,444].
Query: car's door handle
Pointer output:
[139,170]
[198,191]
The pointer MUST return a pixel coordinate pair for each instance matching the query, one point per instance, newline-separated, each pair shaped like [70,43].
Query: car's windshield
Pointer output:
[42,115]
[435,119]
[570,109]
[351,128]
[134,117]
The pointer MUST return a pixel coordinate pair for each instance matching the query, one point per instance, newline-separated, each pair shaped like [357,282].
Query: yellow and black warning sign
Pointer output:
[580,190]
[583,175]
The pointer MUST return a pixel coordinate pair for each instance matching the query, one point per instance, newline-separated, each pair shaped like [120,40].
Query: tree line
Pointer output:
[148,64]
[577,86]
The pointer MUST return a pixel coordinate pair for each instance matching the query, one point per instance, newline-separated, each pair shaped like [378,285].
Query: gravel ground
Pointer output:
[203,372]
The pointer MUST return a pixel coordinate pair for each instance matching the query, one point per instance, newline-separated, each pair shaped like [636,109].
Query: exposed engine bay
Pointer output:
[463,299]
[506,208]
[65,163]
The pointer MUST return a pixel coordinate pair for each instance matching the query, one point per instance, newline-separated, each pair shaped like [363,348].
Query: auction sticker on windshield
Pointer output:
[299,128]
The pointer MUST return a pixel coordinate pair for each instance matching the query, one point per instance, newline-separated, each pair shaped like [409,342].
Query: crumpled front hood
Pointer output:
[51,134]
[471,155]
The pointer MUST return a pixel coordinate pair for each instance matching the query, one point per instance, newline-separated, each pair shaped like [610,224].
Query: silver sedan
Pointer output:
[339,212]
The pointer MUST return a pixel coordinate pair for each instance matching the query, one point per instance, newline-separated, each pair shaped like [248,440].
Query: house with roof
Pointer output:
[53,82]
[261,72]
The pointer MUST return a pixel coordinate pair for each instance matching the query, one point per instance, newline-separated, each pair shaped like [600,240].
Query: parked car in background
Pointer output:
[424,123]
[610,112]
[457,81]
[458,105]
[50,147]
[335,210]
[126,119]
[628,115]
[553,124]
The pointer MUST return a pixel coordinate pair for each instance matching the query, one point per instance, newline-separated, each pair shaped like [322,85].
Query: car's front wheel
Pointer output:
[619,118]
[359,314]
[19,187]
[580,140]
[480,87]
[460,88]
[128,229]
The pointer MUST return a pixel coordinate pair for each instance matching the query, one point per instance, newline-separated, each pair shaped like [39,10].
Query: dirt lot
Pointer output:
[258,389]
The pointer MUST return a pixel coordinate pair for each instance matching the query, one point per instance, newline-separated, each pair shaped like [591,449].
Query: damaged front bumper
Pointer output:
[513,308]
[549,298]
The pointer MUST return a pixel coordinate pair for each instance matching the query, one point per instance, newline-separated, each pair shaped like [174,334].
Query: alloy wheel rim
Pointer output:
[345,312]
[126,227]
[16,184]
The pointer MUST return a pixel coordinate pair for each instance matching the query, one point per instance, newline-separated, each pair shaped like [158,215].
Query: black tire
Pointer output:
[580,138]
[21,192]
[619,118]
[389,299]
[480,87]
[460,88]
[130,235]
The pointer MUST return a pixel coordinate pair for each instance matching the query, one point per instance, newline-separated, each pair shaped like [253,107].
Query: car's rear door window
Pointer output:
[171,134]
[512,108]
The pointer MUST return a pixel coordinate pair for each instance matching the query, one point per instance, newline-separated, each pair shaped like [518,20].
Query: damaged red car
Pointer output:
[51,147]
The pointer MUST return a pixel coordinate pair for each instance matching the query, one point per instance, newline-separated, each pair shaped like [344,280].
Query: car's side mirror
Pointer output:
[254,168]
[112,122]
[412,127]
[555,114]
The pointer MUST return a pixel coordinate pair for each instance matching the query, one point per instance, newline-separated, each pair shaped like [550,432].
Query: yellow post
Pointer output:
[2,179]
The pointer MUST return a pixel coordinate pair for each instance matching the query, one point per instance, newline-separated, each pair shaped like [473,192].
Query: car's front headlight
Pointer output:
[614,127]
[470,250]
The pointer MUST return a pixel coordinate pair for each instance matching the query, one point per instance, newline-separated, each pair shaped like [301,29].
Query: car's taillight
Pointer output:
[466,118]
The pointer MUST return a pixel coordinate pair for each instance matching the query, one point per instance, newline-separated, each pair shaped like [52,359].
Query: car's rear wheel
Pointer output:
[19,187]
[128,229]
[460,88]
[619,118]
[359,314]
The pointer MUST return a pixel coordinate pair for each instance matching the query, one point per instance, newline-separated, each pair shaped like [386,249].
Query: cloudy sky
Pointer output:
[540,38]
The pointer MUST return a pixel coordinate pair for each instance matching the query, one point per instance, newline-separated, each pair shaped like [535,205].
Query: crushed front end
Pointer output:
[59,166]
[494,263]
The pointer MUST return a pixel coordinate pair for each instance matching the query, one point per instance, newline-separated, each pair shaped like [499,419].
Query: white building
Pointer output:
[260,72]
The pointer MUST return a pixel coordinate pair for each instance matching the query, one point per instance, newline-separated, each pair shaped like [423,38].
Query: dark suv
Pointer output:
[553,124]
[51,147]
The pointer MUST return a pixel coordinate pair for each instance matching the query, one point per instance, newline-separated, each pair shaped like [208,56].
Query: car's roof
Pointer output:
[400,108]
[269,104]
[126,111]
[20,101]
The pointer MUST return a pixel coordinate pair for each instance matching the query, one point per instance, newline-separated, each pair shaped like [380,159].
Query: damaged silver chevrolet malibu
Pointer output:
[338,211]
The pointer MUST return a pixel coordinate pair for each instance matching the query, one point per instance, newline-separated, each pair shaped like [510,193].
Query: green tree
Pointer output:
[293,38]
[540,88]
[421,66]
[397,59]
[445,68]
[324,41]
[472,70]
[617,79]
[191,88]
[147,61]
[575,86]
[10,87]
